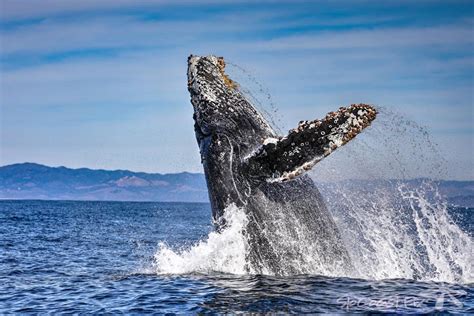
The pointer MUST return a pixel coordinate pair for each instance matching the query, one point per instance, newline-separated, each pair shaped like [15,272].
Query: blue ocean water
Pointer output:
[100,257]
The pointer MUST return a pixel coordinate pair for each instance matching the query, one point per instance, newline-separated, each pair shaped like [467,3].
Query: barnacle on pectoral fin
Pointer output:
[228,82]
[288,157]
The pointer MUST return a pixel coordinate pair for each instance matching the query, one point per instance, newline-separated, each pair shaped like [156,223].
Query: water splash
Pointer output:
[220,252]
[400,229]
[227,251]
[447,248]
[395,226]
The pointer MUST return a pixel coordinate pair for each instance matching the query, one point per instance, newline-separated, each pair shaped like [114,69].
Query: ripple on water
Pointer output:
[98,268]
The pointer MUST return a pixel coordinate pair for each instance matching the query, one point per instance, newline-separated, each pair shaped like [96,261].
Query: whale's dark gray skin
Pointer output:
[248,165]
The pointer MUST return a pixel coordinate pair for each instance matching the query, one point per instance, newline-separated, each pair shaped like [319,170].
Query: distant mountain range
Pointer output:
[35,181]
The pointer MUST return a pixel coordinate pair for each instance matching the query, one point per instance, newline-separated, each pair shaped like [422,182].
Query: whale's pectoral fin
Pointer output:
[285,158]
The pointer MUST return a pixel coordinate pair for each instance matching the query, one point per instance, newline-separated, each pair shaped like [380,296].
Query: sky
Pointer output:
[102,84]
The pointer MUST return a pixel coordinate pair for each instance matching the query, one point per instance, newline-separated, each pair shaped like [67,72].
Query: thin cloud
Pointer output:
[120,73]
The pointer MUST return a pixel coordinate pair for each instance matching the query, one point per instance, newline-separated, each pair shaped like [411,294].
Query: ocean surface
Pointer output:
[114,257]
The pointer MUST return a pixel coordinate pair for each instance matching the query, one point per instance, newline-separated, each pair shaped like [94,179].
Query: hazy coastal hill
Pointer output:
[35,181]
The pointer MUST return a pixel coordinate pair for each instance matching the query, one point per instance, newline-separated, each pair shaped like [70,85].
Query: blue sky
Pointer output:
[102,84]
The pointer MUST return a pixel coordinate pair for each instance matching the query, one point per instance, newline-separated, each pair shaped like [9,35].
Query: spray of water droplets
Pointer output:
[393,219]
[255,91]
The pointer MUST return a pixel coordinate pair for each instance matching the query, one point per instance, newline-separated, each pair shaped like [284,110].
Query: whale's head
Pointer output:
[219,106]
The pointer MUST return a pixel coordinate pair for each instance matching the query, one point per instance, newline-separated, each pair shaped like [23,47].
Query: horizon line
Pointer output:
[202,173]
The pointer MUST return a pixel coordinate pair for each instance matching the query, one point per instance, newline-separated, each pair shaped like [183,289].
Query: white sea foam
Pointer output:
[220,252]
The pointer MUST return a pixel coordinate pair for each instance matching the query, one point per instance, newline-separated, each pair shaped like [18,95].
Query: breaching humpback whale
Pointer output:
[248,165]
